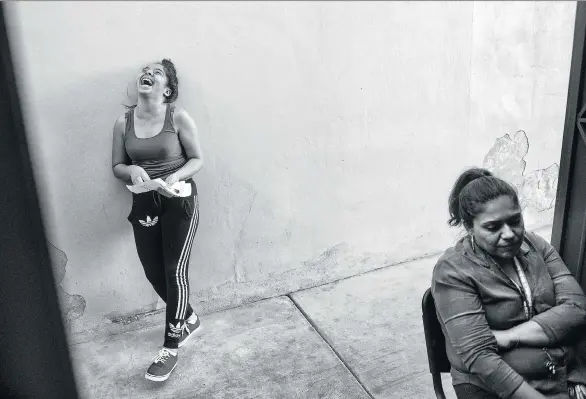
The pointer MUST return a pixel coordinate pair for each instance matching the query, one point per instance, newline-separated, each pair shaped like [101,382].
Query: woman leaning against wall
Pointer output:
[152,140]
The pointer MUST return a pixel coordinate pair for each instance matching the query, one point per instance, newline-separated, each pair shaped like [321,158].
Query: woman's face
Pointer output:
[499,230]
[152,80]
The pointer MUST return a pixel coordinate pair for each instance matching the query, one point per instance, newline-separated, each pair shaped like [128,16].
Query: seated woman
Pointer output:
[513,315]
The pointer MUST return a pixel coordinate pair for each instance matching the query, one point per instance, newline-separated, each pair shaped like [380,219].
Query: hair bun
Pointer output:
[454,202]
[473,174]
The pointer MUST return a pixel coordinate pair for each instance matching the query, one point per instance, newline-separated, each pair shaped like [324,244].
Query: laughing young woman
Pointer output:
[156,140]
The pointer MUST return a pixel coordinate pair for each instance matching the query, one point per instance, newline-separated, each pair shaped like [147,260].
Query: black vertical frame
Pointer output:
[569,227]
[34,355]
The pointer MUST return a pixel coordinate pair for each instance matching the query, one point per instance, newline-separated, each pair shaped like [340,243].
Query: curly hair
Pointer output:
[172,80]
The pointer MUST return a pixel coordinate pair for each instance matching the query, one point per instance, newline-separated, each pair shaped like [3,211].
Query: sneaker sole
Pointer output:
[197,330]
[159,378]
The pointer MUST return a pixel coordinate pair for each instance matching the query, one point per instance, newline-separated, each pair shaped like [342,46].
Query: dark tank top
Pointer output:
[160,155]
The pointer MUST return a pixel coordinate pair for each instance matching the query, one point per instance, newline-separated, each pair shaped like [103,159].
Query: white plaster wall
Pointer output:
[332,130]
[521,53]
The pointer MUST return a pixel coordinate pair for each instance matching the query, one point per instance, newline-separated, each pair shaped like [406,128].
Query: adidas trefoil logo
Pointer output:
[149,222]
[175,330]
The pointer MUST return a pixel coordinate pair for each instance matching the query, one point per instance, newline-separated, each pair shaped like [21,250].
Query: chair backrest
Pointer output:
[434,337]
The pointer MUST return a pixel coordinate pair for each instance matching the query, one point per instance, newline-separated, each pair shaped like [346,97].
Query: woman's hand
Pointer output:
[172,179]
[137,174]
[505,339]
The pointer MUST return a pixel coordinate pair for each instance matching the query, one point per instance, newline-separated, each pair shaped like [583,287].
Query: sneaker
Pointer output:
[163,365]
[190,326]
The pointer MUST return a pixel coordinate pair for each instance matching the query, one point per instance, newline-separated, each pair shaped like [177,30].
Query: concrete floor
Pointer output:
[264,350]
[357,338]
[361,337]
[374,323]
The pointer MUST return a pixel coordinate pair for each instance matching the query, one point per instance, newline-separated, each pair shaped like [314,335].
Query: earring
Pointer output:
[472,242]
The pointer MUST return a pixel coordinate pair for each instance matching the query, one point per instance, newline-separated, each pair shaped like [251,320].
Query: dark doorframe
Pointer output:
[569,226]
[34,355]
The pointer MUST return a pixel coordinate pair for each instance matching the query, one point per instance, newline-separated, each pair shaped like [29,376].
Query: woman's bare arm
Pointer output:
[189,137]
[121,170]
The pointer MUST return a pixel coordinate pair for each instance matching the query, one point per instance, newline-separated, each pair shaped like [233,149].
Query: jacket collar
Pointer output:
[481,257]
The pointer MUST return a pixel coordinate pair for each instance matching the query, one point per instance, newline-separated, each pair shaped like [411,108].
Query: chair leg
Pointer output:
[437,386]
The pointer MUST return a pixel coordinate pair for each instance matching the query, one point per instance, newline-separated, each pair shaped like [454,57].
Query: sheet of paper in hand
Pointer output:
[179,189]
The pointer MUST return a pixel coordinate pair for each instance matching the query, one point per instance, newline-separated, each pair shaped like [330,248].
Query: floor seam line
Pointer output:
[338,355]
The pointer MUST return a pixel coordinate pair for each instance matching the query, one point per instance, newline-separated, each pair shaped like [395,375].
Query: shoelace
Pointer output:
[186,327]
[163,355]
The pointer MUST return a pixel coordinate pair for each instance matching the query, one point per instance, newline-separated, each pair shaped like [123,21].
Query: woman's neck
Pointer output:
[505,262]
[147,108]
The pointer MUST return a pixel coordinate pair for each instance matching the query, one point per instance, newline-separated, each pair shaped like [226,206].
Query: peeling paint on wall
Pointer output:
[505,158]
[72,306]
[537,189]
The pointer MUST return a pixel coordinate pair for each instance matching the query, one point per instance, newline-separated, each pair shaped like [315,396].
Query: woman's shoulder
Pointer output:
[122,118]
[120,124]
[181,117]
[129,111]
[179,112]
[534,237]
[539,243]
[452,261]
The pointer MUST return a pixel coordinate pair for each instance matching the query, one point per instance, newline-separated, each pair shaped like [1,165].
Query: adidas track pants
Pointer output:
[164,229]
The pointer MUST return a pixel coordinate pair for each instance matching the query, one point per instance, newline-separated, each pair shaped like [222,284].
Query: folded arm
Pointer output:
[569,313]
[528,334]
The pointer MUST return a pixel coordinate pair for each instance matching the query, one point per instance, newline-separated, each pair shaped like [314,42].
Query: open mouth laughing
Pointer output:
[146,81]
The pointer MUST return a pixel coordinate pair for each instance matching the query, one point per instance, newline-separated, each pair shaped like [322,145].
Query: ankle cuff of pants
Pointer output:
[171,345]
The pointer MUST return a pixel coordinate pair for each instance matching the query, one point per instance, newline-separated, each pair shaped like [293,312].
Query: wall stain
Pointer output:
[328,255]
[537,189]
[72,306]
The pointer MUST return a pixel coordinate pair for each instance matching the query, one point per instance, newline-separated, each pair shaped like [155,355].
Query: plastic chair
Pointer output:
[435,343]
